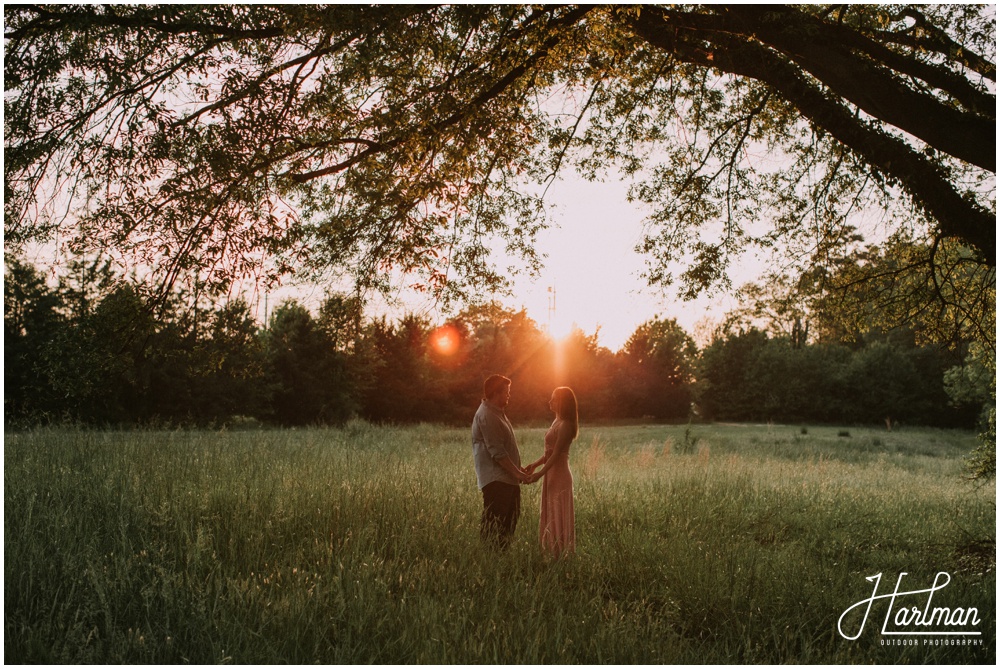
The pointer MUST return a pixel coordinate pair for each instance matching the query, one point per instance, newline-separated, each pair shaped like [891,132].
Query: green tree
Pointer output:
[457,389]
[340,317]
[749,376]
[241,139]
[31,319]
[974,383]
[786,382]
[722,372]
[103,365]
[307,377]
[655,371]
[937,291]
[589,369]
[778,304]
[884,384]
[229,367]
[402,386]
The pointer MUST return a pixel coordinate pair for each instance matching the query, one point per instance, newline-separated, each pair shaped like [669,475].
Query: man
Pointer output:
[498,464]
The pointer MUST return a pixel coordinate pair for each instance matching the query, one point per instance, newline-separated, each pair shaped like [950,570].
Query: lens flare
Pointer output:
[445,340]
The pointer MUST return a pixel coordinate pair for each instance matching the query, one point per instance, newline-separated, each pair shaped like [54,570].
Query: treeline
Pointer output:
[91,351]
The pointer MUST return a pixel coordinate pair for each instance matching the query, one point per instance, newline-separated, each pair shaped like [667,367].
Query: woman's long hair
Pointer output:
[566,407]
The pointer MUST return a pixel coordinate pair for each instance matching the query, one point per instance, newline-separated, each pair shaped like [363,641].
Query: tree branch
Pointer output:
[927,183]
[73,19]
[470,107]
[872,89]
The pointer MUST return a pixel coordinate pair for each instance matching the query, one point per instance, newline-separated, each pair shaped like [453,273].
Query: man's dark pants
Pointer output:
[501,509]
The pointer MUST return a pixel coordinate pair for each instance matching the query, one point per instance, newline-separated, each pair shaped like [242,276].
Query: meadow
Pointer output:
[696,544]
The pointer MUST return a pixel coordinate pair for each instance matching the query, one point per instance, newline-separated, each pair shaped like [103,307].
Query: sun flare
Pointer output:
[560,329]
[445,340]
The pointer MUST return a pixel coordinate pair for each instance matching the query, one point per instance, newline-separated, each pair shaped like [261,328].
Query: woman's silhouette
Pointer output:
[556,526]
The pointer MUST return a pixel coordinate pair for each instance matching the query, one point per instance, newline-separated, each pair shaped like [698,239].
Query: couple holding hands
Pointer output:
[499,472]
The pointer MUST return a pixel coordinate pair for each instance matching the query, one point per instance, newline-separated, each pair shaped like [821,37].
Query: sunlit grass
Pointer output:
[696,544]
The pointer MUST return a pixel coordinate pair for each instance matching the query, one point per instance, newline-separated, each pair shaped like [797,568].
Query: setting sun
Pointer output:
[560,329]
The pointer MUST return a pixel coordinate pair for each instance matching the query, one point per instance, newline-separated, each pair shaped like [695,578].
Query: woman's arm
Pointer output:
[540,461]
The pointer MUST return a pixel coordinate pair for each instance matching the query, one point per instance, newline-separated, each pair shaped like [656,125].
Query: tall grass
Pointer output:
[718,544]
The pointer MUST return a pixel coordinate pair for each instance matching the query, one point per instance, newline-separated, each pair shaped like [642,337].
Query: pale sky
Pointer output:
[596,271]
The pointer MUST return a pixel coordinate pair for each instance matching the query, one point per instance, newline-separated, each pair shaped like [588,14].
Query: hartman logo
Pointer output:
[911,616]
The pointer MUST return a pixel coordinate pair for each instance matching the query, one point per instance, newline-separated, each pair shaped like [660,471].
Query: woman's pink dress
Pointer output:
[556,528]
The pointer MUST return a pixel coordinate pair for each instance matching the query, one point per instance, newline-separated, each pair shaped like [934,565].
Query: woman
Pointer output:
[556,527]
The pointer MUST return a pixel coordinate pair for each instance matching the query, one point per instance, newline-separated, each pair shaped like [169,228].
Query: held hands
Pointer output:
[527,475]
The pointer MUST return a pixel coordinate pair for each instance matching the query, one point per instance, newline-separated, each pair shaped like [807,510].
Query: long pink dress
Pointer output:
[556,527]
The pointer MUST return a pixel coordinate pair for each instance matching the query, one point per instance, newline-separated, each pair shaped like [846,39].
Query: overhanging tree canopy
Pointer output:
[237,140]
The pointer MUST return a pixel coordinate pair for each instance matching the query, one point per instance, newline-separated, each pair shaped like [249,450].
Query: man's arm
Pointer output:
[512,469]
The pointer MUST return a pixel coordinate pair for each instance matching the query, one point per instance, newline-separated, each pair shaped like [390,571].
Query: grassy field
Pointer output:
[701,544]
